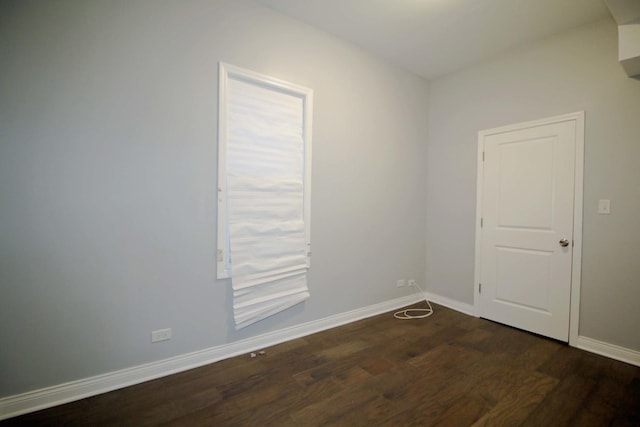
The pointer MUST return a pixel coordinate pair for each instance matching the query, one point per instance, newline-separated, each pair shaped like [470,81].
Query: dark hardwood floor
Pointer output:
[447,370]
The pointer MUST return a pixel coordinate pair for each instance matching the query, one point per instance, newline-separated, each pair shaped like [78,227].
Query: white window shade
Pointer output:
[264,183]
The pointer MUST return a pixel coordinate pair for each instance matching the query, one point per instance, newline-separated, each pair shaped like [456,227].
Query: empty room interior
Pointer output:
[480,156]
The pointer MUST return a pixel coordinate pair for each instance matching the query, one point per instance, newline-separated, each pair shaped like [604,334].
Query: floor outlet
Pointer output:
[161,335]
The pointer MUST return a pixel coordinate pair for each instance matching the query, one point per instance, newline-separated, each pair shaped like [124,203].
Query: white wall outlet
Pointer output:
[400,283]
[161,335]
[604,207]
[411,282]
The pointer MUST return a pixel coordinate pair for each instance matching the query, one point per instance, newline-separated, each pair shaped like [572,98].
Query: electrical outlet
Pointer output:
[400,283]
[411,282]
[161,335]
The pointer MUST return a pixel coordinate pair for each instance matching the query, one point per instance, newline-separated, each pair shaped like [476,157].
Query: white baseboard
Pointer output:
[609,350]
[584,343]
[452,304]
[31,401]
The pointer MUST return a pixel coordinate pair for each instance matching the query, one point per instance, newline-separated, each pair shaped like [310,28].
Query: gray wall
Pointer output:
[108,174]
[577,70]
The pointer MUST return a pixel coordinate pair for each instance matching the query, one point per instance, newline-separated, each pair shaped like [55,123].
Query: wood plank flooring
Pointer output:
[446,370]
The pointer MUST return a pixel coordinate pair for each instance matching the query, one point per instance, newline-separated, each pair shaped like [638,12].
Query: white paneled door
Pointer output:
[527,226]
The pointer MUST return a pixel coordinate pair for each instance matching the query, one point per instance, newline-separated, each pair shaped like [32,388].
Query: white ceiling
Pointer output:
[437,37]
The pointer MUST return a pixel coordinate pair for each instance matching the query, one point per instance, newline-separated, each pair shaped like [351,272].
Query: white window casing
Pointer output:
[264,182]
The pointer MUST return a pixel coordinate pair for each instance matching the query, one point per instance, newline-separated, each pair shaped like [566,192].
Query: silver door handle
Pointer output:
[564,243]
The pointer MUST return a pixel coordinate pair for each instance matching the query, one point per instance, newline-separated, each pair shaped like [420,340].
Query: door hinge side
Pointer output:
[481,222]
[479,288]
[483,156]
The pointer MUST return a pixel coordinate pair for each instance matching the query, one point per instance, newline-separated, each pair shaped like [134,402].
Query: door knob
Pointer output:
[564,243]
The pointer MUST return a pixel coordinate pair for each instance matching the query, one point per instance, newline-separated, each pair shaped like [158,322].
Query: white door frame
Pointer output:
[576,264]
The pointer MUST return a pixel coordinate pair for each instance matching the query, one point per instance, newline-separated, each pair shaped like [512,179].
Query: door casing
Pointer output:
[579,119]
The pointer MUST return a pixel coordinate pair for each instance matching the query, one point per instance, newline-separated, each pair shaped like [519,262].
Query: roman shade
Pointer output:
[264,193]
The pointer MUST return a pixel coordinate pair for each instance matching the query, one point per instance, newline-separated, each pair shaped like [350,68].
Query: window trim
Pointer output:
[229,72]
